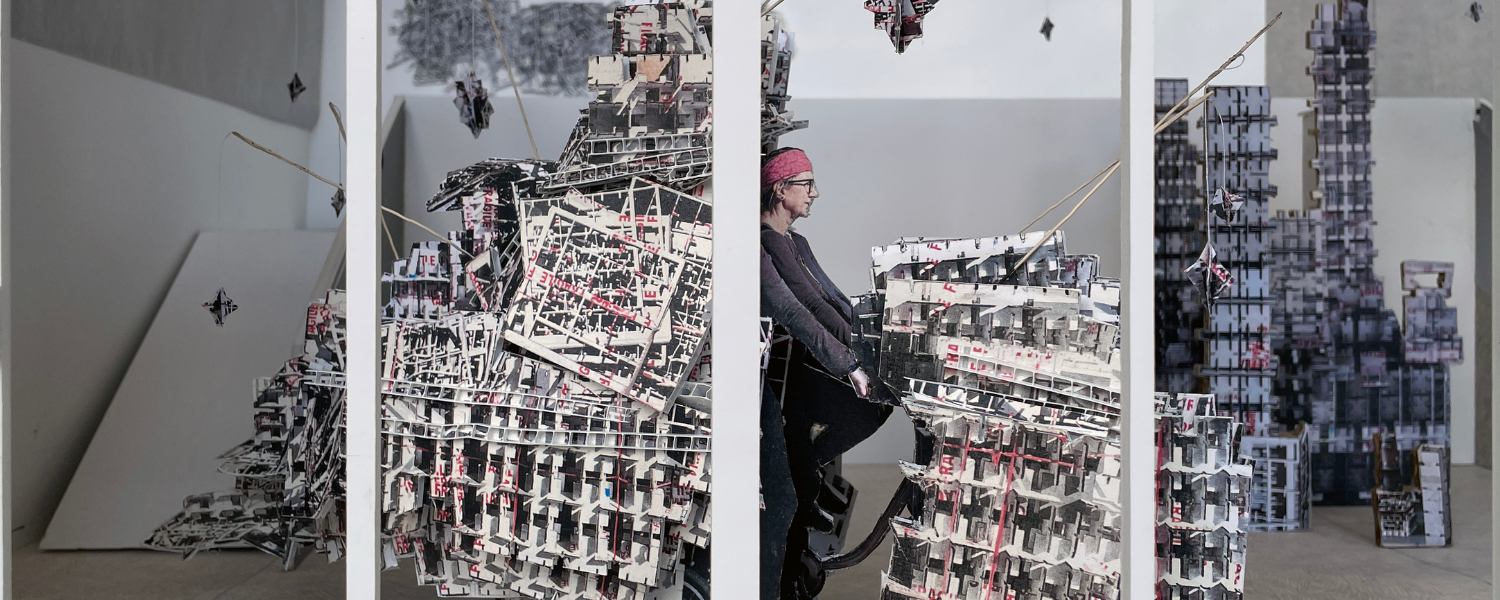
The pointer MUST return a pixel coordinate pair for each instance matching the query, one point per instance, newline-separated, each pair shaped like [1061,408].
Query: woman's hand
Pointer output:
[861,383]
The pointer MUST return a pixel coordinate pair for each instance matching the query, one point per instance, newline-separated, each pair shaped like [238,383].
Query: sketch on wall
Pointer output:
[547,43]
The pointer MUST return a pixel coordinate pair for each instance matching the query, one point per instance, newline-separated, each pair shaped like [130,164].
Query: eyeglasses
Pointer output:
[810,183]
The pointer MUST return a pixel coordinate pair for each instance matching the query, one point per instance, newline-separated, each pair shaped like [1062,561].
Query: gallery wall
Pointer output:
[892,168]
[239,53]
[117,176]
[325,146]
[995,49]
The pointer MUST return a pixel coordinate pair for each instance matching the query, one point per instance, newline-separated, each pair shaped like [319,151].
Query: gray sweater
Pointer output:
[779,303]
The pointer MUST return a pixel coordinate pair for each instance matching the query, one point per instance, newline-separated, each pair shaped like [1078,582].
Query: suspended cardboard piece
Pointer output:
[221,306]
[1210,277]
[337,201]
[295,87]
[473,104]
[901,19]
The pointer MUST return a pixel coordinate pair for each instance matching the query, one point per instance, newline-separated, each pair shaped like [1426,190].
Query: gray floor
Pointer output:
[227,575]
[1337,560]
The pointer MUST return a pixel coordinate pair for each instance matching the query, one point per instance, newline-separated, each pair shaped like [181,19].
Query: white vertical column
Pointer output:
[1494,312]
[362,95]
[5,294]
[736,434]
[1137,312]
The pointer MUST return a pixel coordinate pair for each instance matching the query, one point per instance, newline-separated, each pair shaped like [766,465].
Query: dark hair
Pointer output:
[768,192]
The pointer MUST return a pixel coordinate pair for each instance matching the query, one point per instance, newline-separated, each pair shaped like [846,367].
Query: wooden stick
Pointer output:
[513,86]
[773,7]
[1065,198]
[395,252]
[1226,64]
[1172,117]
[285,160]
[1161,125]
[1112,168]
[1177,112]
[429,230]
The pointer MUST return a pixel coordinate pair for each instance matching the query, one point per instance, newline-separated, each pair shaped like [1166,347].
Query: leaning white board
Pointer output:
[187,395]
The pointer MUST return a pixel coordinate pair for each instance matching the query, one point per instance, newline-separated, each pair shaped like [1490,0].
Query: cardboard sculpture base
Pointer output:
[186,397]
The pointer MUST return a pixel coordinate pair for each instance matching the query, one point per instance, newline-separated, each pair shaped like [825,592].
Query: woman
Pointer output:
[823,409]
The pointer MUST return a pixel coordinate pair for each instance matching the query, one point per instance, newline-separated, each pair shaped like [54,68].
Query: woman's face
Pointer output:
[798,193]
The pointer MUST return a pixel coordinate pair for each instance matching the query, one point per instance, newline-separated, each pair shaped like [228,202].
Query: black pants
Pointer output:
[824,418]
[778,493]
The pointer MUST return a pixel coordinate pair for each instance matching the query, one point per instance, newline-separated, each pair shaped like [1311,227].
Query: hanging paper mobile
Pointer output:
[220,306]
[1476,11]
[295,87]
[473,104]
[1047,28]
[1210,278]
[1226,205]
[901,19]
[337,202]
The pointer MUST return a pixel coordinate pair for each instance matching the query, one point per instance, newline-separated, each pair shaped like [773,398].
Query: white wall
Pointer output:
[1286,138]
[1424,206]
[113,175]
[325,155]
[953,168]
[995,50]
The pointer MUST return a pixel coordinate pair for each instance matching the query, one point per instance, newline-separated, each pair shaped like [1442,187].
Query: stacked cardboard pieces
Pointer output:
[1011,372]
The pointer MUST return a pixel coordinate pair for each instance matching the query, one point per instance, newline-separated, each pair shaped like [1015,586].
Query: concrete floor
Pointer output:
[1336,560]
[225,575]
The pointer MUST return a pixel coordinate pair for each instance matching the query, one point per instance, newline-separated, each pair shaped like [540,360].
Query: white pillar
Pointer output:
[1138,315]
[1494,312]
[736,434]
[5,293]
[362,257]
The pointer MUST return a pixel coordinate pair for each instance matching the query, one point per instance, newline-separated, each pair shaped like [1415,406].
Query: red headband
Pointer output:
[782,166]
